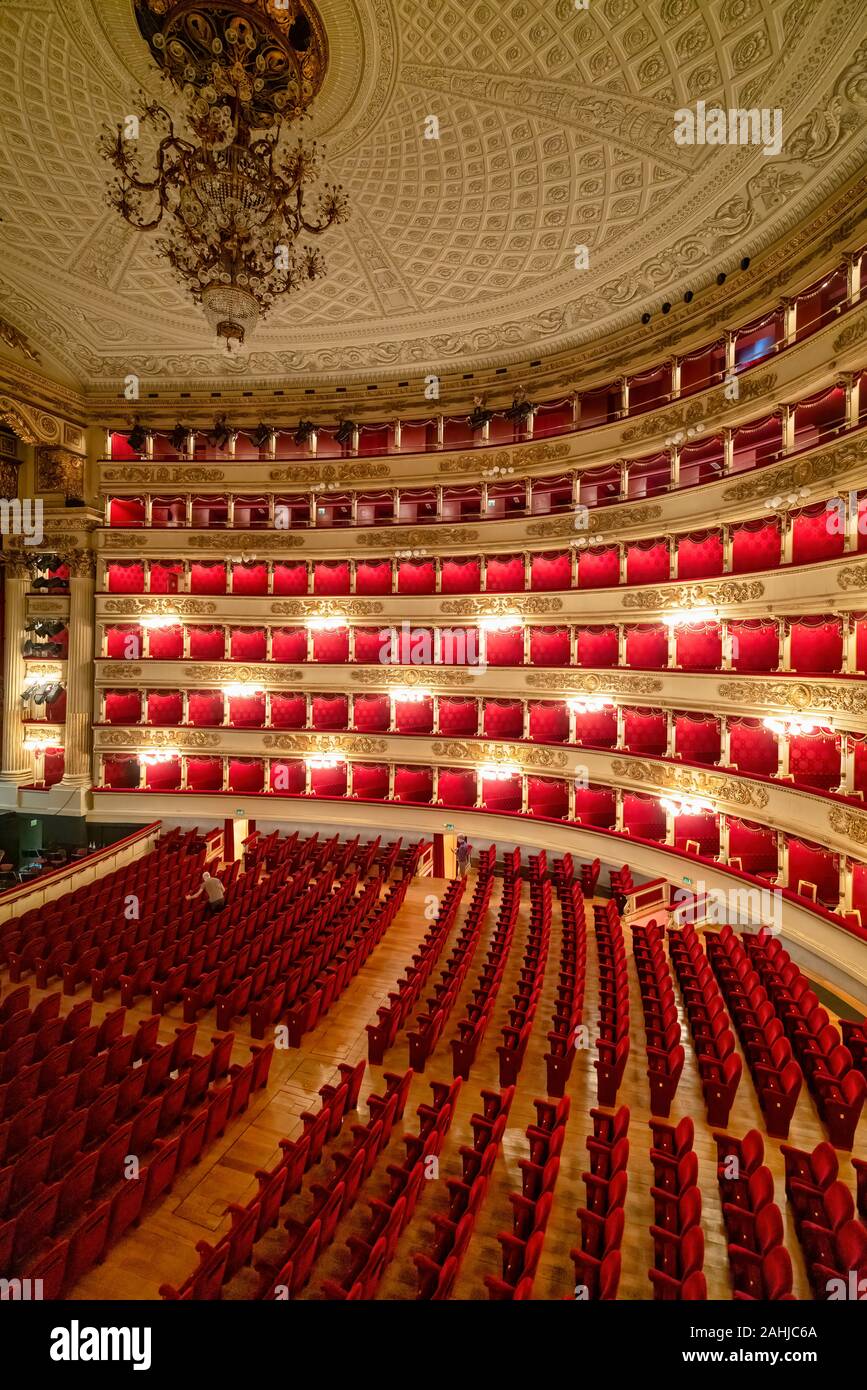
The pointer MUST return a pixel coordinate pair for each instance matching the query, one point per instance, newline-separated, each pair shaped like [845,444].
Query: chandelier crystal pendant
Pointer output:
[226,186]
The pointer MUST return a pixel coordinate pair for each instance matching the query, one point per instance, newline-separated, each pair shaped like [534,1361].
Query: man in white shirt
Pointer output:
[213,891]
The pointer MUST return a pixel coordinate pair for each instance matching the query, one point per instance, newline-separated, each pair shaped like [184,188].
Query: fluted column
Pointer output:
[15,762]
[79,683]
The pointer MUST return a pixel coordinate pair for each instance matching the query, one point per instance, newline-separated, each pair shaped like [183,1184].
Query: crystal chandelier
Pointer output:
[227,187]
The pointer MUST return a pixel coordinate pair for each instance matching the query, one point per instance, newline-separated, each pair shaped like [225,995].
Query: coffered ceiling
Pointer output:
[555,129]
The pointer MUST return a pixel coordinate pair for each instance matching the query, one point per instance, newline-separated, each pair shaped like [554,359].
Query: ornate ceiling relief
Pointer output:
[555,127]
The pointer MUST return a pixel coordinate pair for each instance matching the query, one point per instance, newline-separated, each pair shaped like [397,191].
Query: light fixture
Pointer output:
[498,772]
[153,757]
[223,184]
[582,704]
[335,759]
[242,688]
[326,624]
[158,620]
[685,805]
[410,695]
[39,745]
[685,617]
[506,622]
[790,725]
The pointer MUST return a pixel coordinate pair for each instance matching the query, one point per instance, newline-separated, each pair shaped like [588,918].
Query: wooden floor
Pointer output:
[162,1249]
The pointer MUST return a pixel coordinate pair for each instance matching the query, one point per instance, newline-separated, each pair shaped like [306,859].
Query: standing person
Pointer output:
[464,854]
[213,891]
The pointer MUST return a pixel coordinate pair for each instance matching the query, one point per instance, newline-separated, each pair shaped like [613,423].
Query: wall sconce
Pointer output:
[152,758]
[410,696]
[504,623]
[161,620]
[325,759]
[242,688]
[498,772]
[790,725]
[589,704]
[684,617]
[326,624]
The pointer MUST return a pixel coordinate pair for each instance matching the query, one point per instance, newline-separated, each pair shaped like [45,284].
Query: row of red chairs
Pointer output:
[613,1041]
[472,1028]
[719,1065]
[760,1264]
[438,1267]
[597,1260]
[834,1241]
[392,1016]
[665,1052]
[69,916]
[368,1258]
[516,1033]
[569,1004]
[678,1239]
[838,1087]
[348,942]
[522,1246]
[428,1029]
[776,1075]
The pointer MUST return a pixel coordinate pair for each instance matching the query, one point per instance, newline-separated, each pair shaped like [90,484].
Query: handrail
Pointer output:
[57,882]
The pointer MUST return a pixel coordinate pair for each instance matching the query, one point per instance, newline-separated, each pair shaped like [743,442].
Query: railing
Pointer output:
[55,884]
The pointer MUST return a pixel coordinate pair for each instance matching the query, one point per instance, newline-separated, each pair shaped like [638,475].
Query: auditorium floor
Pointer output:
[162,1249]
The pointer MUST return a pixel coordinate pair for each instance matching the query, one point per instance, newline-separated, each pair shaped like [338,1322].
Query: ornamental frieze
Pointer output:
[117,540]
[38,606]
[217,673]
[698,410]
[797,695]
[853,576]
[116,670]
[497,606]
[412,676]
[312,475]
[612,519]
[823,466]
[319,608]
[691,783]
[695,595]
[849,823]
[613,683]
[325,743]
[501,753]
[853,333]
[131,473]
[46,732]
[155,738]
[43,668]
[244,543]
[523,456]
[154,605]
[451,535]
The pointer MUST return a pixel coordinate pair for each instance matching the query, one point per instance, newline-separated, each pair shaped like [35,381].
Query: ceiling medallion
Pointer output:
[225,185]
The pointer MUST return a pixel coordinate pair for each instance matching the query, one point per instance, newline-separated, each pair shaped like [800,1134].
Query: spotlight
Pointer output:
[344,431]
[137,438]
[178,438]
[304,431]
[745,263]
[645,318]
[221,433]
[721,278]
[262,435]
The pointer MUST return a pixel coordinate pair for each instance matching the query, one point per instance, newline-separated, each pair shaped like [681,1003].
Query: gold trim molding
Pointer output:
[691,783]
[695,595]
